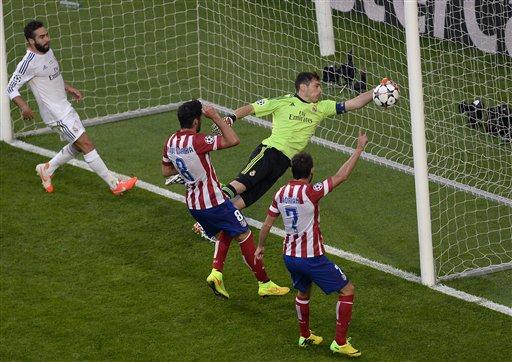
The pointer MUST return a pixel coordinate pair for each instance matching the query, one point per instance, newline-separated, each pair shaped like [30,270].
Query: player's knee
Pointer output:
[348,289]
[239,203]
[84,143]
[237,186]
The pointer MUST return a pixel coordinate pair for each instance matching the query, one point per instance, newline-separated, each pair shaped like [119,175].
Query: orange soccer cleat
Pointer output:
[46,178]
[124,185]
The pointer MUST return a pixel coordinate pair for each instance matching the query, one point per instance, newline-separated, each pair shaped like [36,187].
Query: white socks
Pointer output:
[67,153]
[95,162]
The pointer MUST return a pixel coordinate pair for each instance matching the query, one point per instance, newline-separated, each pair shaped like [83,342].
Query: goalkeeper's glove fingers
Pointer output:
[385,81]
[229,120]
[174,179]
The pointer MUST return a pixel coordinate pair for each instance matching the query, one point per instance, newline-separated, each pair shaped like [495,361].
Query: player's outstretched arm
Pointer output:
[229,137]
[346,169]
[360,101]
[265,230]
[244,111]
[364,98]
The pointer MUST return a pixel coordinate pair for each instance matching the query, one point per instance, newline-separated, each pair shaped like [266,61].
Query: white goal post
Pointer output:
[135,58]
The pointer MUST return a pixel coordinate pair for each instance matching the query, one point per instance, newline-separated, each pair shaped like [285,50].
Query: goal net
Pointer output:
[259,47]
[136,57]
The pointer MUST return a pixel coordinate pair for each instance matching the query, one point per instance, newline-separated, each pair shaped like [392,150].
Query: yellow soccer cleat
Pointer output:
[215,282]
[271,288]
[345,349]
[312,339]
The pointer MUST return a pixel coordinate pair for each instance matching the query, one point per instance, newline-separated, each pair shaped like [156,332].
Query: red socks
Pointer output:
[221,251]
[302,307]
[343,316]
[248,249]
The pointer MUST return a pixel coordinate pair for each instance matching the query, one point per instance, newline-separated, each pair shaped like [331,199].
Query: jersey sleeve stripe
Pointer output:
[26,63]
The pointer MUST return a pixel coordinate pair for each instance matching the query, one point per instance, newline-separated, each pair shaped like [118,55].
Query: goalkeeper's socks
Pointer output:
[67,153]
[343,316]
[221,251]
[257,267]
[229,191]
[302,308]
[95,162]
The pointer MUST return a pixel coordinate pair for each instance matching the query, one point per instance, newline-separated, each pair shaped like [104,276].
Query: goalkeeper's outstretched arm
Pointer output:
[244,111]
[364,98]
[360,101]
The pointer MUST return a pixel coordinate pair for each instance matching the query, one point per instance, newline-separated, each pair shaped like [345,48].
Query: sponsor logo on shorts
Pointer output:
[252,173]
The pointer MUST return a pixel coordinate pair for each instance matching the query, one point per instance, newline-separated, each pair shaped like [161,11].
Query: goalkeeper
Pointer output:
[294,120]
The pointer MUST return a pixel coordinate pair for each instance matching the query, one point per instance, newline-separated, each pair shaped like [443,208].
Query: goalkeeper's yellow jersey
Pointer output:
[293,120]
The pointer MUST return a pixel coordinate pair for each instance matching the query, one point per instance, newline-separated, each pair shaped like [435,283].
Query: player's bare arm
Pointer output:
[77,95]
[239,113]
[244,111]
[265,230]
[346,169]
[360,101]
[25,110]
[364,98]
[229,138]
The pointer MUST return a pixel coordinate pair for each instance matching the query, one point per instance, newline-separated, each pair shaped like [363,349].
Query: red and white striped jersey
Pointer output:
[188,152]
[297,202]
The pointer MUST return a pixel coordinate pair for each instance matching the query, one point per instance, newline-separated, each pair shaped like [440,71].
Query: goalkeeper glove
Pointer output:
[229,120]
[174,179]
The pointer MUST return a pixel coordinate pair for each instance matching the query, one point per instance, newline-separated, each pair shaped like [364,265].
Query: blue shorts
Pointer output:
[224,217]
[319,270]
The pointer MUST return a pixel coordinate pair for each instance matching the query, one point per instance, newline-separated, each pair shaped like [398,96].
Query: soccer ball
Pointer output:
[386,94]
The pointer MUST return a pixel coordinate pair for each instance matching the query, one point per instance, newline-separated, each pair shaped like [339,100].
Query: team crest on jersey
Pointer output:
[261,102]
[209,139]
[318,186]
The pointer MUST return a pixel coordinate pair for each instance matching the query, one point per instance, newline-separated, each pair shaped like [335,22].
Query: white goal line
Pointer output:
[279,232]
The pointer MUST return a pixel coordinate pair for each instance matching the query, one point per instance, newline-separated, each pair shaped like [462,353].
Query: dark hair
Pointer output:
[305,78]
[189,111]
[32,26]
[302,163]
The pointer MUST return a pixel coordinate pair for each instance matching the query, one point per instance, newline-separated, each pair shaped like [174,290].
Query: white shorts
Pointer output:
[70,127]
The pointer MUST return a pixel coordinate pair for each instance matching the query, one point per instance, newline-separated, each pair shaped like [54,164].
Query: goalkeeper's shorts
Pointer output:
[266,165]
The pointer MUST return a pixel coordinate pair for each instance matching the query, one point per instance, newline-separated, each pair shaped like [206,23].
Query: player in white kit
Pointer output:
[40,69]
